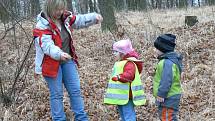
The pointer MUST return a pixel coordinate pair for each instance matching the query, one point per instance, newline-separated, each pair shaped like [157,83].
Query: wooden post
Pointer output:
[191,20]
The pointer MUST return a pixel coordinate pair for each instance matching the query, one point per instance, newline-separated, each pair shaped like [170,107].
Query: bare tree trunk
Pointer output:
[199,3]
[125,6]
[177,3]
[96,7]
[142,4]
[171,4]
[107,11]
[91,6]
[35,7]
[182,3]
[69,6]
[131,4]
[77,7]
[167,4]
[119,4]
[158,4]
[41,3]
[4,17]
[83,6]
[153,3]
[211,2]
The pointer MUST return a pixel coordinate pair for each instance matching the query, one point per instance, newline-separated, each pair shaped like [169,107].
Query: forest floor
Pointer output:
[196,44]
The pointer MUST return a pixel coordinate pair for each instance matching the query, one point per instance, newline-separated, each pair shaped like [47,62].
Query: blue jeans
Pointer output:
[67,75]
[127,112]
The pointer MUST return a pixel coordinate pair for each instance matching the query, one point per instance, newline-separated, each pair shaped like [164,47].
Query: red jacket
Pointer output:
[128,74]
[129,68]
[50,66]
[48,41]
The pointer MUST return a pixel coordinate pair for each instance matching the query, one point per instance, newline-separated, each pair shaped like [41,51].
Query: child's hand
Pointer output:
[99,19]
[111,107]
[116,78]
[160,99]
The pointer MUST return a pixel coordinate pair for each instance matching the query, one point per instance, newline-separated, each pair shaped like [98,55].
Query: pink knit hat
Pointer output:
[123,46]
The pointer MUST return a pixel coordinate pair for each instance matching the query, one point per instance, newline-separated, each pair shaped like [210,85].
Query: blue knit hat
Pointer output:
[165,43]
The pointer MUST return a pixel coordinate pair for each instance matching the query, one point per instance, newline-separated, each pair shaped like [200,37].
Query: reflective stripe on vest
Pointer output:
[139,97]
[136,88]
[117,96]
[118,86]
[118,92]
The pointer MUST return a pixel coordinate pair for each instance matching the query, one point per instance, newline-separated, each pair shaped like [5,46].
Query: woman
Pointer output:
[55,57]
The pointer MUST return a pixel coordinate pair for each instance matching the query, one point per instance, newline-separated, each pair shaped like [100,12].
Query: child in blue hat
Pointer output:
[166,84]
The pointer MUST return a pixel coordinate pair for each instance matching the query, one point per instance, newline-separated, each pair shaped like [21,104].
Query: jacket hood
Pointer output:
[174,57]
[42,22]
[132,54]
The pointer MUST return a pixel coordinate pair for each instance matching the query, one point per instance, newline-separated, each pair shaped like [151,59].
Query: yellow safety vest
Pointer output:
[118,92]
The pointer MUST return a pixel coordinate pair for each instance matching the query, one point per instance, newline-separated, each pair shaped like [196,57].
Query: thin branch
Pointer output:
[17,21]
[26,54]
[5,33]
[11,28]
[1,87]
[21,67]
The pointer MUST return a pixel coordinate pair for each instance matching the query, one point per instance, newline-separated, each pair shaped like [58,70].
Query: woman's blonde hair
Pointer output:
[51,5]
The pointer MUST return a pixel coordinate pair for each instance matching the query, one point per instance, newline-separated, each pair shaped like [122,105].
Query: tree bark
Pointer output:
[131,4]
[83,6]
[125,5]
[35,7]
[142,4]
[91,6]
[69,5]
[199,3]
[182,3]
[158,4]
[168,4]
[153,4]
[107,11]
[95,4]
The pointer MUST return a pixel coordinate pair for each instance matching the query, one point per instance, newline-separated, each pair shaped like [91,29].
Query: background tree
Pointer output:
[83,6]
[91,6]
[119,4]
[142,4]
[211,2]
[153,4]
[69,5]
[131,4]
[35,7]
[158,4]
[171,3]
[4,17]
[182,3]
[107,11]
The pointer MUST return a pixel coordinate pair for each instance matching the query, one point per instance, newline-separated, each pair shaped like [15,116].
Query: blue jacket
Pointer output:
[167,79]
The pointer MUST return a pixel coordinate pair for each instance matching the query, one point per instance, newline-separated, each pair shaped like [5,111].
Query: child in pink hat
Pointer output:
[125,87]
